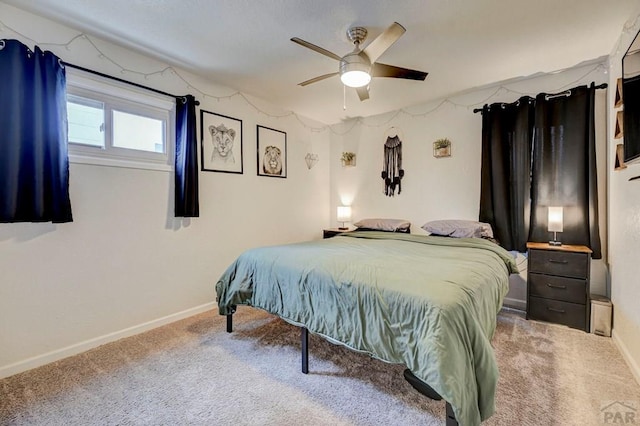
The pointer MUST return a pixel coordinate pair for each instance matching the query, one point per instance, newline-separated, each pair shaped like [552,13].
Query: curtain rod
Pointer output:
[600,86]
[67,64]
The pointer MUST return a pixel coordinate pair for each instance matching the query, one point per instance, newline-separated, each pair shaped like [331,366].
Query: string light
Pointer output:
[629,27]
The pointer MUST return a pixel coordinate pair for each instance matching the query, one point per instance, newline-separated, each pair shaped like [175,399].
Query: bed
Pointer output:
[427,302]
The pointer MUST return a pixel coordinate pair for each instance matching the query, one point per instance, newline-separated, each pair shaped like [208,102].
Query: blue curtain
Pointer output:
[186,175]
[34,163]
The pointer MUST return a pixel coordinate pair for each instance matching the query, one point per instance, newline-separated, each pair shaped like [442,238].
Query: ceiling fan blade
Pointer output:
[363,92]
[316,48]
[378,46]
[384,70]
[318,78]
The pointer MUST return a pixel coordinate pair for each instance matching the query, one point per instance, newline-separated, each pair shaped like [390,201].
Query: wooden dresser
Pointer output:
[558,284]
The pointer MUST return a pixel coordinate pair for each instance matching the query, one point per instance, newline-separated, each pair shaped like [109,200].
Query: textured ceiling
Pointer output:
[245,44]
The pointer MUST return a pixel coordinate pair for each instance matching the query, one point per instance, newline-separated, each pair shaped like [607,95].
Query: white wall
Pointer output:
[449,188]
[125,263]
[624,226]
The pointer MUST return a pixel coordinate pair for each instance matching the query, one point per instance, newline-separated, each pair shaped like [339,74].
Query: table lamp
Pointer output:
[344,215]
[555,224]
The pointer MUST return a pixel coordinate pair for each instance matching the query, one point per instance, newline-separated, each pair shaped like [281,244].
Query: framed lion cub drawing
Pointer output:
[221,143]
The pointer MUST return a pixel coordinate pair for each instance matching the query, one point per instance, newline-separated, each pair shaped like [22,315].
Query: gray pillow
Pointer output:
[459,228]
[391,225]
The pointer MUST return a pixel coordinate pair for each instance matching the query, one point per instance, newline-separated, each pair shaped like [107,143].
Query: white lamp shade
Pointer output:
[344,213]
[555,219]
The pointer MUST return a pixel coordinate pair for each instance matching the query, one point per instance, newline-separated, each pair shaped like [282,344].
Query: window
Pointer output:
[112,123]
[86,121]
[134,131]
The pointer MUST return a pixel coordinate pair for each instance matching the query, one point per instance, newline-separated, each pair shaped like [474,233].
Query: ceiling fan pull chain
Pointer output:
[344,97]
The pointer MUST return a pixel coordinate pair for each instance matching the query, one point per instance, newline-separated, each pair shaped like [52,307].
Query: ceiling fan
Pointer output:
[357,67]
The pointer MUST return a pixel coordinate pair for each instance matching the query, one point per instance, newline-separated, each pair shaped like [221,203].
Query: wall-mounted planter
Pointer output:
[348,159]
[442,148]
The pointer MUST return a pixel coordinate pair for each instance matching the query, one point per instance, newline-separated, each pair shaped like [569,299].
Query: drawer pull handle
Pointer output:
[563,262]
[561,287]
[560,311]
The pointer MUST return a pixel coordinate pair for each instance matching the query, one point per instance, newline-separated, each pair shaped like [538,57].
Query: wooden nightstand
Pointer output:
[558,284]
[332,232]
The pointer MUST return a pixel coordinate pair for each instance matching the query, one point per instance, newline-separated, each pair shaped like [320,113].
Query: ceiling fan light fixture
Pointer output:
[355,78]
[355,70]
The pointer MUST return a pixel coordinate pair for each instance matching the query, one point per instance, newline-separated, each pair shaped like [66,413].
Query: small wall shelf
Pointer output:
[619,133]
[618,101]
[619,164]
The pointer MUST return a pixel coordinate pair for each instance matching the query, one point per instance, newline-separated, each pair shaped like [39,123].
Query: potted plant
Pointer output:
[442,148]
[348,159]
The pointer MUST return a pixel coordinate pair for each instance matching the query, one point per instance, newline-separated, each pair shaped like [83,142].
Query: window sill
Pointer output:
[113,162]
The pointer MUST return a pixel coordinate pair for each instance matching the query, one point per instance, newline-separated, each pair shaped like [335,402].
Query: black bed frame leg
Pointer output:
[451,418]
[304,340]
[229,323]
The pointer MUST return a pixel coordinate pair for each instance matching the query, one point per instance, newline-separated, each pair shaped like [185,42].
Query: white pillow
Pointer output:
[459,228]
[391,225]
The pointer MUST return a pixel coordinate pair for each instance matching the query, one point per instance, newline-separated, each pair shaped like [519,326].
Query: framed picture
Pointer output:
[221,143]
[272,152]
[442,148]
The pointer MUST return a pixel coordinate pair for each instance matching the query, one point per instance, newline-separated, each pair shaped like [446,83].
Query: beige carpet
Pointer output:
[194,373]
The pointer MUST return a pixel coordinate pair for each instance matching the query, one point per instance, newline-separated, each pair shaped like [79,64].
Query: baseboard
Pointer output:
[515,303]
[633,366]
[37,361]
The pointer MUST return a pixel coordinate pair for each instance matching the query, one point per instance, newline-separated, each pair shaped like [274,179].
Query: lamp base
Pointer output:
[555,243]
[342,229]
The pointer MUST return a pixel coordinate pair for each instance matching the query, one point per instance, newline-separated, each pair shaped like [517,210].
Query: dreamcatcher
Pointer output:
[392,172]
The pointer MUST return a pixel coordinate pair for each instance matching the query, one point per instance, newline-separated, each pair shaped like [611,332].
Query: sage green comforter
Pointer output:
[427,302]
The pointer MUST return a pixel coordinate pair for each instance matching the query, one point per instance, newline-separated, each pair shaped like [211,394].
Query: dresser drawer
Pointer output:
[558,288]
[566,264]
[569,314]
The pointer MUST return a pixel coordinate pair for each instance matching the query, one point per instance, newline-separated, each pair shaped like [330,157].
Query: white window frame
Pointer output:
[129,99]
